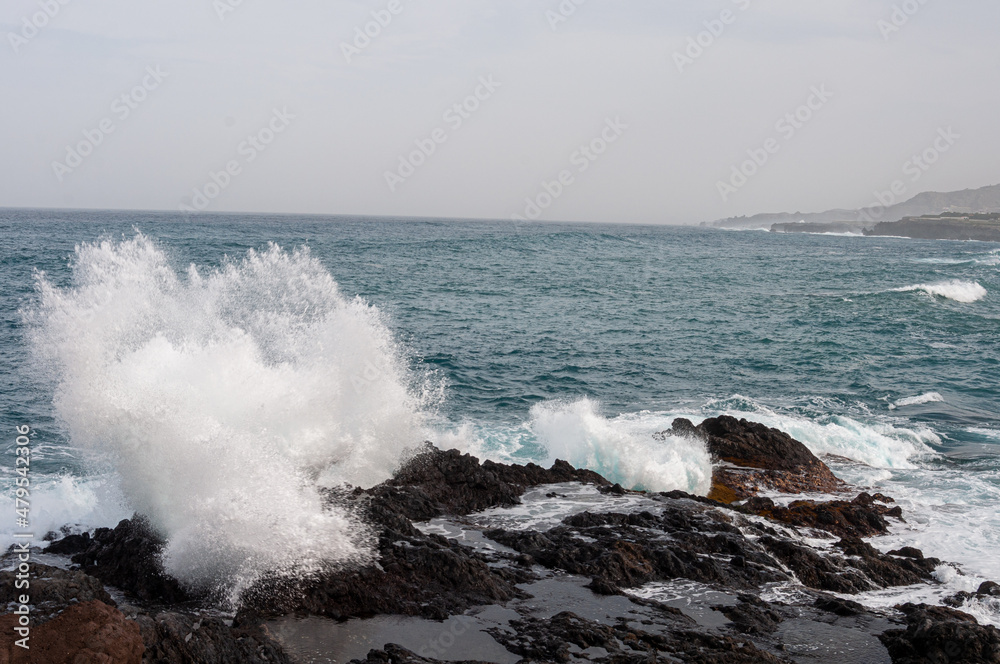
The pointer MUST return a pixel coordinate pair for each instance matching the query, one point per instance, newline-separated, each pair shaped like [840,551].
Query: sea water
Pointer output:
[216,372]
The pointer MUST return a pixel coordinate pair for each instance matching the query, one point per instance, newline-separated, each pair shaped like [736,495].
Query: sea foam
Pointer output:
[226,399]
[966,292]
[929,397]
[622,449]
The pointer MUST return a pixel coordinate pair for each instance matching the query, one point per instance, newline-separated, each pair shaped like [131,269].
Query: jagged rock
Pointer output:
[86,632]
[936,634]
[52,589]
[553,639]
[751,616]
[990,588]
[628,550]
[986,589]
[394,654]
[758,457]
[434,483]
[841,607]
[861,517]
[908,552]
[70,545]
[415,574]
[177,638]
[127,557]
[815,570]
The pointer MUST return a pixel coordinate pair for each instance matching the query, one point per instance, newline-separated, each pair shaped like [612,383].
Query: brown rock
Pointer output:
[861,517]
[757,457]
[87,633]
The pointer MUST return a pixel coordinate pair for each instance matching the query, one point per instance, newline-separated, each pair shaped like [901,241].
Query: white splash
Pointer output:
[225,399]
[965,292]
[621,449]
[929,397]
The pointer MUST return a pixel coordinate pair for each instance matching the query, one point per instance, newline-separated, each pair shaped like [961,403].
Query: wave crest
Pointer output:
[965,292]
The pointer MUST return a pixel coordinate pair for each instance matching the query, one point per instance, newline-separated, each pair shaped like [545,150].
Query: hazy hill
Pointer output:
[984,199]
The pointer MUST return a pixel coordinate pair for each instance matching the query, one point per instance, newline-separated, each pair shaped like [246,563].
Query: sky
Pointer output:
[640,111]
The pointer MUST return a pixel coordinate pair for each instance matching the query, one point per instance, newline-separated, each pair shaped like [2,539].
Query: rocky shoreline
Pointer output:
[505,563]
[980,227]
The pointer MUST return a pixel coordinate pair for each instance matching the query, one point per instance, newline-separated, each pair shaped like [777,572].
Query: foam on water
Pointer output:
[929,397]
[966,292]
[623,448]
[226,399]
[64,503]
[879,444]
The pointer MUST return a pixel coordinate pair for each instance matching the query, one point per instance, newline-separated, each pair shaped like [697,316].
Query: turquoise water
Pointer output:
[510,340]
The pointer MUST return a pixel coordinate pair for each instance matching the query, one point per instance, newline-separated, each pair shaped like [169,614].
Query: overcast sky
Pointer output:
[669,119]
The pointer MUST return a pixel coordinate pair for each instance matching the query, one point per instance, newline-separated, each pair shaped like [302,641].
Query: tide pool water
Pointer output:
[214,372]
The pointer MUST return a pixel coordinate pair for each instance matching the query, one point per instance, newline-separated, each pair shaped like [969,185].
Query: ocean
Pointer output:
[213,371]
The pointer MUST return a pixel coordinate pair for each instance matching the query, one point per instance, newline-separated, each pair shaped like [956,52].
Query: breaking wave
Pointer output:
[226,399]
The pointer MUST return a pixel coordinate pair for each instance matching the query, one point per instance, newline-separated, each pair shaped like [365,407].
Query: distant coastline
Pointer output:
[957,215]
[946,226]
[983,227]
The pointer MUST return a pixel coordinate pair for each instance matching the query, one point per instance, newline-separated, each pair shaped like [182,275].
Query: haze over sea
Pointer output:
[211,371]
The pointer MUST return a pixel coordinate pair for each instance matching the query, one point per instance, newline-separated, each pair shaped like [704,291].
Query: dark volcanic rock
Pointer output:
[698,541]
[176,638]
[416,574]
[435,483]
[936,634]
[841,607]
[69,545]
[764,457]
[751,616]
[127,557]
[52,589]
[861,517]
[419,574]
[886,570]
[552,640]
[394,654]
[687,541]
[986,589]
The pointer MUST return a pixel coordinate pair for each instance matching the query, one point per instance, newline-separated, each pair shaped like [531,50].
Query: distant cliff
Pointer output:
[982,200]
[984,227]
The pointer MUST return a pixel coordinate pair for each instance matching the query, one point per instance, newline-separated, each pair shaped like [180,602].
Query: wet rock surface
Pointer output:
[434,483]
[171,637]
[634,577]
[940,634]
[755,457]
[127,557]
[566,634]
[862,517]
[52,589]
